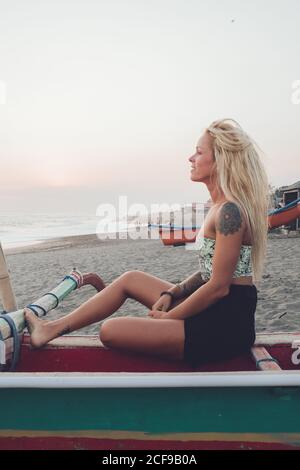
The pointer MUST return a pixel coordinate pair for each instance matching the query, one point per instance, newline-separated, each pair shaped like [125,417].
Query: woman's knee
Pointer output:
[131,274]
[105,333]
[109,328]
[128,279]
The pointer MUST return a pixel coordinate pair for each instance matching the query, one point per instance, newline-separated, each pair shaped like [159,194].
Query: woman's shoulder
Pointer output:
[229,207]
[229,217]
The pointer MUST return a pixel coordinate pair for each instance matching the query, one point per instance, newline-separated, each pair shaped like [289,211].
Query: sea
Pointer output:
[22,229]
[19,229]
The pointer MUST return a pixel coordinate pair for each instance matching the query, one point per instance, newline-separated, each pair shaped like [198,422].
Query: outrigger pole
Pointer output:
[12,322]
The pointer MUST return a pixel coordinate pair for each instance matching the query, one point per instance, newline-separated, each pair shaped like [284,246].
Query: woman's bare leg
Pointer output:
[138,285]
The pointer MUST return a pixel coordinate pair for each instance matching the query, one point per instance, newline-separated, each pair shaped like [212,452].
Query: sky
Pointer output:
[108,98]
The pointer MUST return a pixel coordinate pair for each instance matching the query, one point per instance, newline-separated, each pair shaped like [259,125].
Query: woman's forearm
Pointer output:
[188,286]
[202,298]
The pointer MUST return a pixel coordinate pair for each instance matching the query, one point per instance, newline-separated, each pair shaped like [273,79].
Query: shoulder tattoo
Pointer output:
[230,220]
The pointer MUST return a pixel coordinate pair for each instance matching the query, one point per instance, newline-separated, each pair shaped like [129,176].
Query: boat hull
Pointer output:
[77,394]
[186,418]
[284,217]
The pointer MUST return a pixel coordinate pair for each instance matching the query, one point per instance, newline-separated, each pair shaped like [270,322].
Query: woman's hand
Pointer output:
[159,314]
[163,303]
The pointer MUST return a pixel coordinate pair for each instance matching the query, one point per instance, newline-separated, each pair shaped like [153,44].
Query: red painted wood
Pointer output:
[100,359]
[61,443]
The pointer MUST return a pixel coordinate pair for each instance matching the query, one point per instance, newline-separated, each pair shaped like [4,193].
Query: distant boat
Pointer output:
[180,235]
[284,215]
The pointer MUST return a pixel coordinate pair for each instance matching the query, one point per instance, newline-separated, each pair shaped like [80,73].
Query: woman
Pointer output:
[210,315]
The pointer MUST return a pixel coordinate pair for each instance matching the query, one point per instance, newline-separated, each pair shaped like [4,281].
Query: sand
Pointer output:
[36,269]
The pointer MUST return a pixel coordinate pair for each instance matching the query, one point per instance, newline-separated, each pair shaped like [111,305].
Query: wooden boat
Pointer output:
[179,235]
[285,215]
[175,235]
[76,394]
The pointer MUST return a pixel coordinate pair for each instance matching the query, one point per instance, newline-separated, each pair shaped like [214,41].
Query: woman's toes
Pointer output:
[30,319]
[35,328]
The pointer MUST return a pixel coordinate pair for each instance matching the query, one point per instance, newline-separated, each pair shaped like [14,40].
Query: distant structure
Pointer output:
[289,194]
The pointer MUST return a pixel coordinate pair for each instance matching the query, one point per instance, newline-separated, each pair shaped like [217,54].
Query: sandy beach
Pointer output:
[38,268]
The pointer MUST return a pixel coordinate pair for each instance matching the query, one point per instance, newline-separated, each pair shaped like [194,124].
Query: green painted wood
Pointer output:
[252,410]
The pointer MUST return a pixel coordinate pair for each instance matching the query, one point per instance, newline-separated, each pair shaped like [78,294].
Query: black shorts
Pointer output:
[223,330]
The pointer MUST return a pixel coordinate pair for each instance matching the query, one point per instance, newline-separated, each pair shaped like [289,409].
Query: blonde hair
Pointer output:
[243,179]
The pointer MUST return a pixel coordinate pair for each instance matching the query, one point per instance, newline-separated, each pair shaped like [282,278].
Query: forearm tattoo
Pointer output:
[230,220]
[189,285]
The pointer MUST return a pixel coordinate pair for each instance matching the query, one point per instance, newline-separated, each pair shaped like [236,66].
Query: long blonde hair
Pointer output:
[243,179]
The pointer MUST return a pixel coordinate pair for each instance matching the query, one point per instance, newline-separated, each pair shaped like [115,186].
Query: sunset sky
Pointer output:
[108,97]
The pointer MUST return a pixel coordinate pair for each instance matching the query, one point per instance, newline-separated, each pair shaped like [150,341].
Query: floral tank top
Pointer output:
[206,252]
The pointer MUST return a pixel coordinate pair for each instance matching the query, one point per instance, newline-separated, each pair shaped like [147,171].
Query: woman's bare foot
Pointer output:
[39,333]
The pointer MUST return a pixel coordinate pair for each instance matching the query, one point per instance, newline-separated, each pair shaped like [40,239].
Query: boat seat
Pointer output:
[264,360]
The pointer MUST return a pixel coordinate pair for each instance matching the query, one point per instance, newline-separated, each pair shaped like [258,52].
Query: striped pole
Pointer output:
[51,299]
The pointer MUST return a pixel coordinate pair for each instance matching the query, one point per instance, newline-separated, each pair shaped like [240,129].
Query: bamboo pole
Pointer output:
[6,291]
[51,299]
[45,303]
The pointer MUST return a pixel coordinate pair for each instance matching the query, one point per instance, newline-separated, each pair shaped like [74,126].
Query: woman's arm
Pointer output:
[229,234]
[203,297]
[188,286]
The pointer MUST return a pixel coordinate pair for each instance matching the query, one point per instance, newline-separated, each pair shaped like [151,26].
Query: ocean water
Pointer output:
[21,229]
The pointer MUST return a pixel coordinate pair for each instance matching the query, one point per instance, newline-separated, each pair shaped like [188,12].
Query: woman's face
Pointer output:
[202,161]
